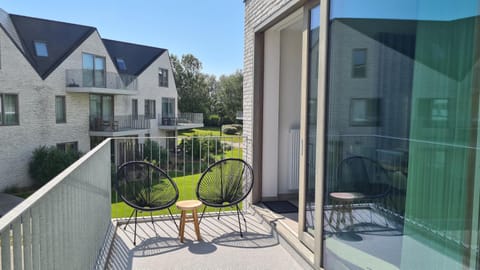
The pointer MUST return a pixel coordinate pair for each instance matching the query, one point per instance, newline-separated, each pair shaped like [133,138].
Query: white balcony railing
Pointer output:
[64,224]
[180,119]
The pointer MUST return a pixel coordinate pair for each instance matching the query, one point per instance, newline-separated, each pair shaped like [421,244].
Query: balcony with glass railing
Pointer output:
[100,82]
[118,125]
[181,121]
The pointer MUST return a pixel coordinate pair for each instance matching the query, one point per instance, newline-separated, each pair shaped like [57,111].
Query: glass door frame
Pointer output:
[314,242]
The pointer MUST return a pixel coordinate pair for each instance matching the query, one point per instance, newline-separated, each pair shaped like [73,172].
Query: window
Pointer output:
[364,111]
[93,70]
[68,146]
[8,109]
[60,109]
[121,64]
[168,107]
[41,48]
[150,109]
[134,109]
[433,112]
[163,77]
[359,58]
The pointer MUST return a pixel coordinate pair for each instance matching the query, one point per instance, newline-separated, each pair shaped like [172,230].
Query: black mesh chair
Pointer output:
[226,183]
[146,188]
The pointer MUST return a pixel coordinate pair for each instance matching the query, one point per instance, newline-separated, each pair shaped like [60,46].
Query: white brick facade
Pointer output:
[37,122]
[257,13]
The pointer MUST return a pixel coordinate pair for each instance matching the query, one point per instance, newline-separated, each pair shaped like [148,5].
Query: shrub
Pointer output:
[212,120]
[229,130]
[238,127]
[200,148]
[48,162]
[153,152]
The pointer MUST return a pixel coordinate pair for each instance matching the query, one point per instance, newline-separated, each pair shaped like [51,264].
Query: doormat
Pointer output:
[281,207]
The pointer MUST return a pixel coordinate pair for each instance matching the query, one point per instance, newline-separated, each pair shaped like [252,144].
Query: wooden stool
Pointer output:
[189,205]
[342,204]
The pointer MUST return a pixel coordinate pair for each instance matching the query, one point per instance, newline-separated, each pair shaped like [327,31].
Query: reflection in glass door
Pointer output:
[311,117]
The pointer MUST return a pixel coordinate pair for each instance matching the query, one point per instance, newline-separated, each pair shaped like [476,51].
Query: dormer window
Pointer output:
[41,48]
[121,64]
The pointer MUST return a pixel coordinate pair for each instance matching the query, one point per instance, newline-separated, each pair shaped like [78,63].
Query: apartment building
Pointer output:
[384,100]
[62,84]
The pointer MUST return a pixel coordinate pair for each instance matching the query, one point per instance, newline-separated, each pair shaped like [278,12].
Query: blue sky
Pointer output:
[212,30]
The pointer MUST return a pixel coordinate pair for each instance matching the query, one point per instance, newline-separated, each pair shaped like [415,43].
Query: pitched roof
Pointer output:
[137,57]
[7,24]
[61,39]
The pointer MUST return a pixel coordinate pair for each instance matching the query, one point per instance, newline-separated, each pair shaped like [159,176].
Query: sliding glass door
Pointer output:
[309,125]
[402,181]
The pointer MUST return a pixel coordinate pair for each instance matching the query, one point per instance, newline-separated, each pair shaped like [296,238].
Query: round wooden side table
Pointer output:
[189,205]
[342,204]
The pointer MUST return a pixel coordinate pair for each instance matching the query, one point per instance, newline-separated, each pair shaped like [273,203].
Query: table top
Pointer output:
[188,204]
[346,196]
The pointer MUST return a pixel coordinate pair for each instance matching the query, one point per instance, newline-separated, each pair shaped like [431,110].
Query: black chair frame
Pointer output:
[229,204]
[137,208]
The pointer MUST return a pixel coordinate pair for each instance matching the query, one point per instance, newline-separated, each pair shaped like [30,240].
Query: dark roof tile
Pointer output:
[61,38]
[137,57]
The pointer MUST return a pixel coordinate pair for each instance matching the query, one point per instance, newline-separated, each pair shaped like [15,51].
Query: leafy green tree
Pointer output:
[230,95]
[192,84]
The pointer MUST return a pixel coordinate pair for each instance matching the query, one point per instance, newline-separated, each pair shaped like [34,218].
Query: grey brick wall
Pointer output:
[257,12]
[37,105]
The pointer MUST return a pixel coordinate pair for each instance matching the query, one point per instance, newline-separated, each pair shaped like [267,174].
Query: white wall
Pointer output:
[290,92]
[270,114]
[37,108]
[37,105]
[148,88]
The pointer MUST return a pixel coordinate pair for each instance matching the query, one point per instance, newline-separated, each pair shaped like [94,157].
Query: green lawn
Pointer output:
[186,184]
[205,131]
[186,187]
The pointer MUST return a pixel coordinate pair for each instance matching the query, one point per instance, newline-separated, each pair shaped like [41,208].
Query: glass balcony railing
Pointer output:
[119,123]
[180,119]
[84,78]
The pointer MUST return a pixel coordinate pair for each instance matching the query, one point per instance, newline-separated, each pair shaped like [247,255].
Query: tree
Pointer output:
[192,84]
[230,95]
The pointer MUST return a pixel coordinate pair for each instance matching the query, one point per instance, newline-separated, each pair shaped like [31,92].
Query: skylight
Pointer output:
[41,48]
[121,64]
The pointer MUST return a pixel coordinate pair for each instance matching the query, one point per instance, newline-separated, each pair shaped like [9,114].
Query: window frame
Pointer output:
[64,102]
[63,146]
[94,70]
[40,42]
[356,67]
[135,108]
[163,77]
[366,123]
[2,109]
[149,104]
[120,67]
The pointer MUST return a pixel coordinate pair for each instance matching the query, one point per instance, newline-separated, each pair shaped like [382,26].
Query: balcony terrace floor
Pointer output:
[158,246]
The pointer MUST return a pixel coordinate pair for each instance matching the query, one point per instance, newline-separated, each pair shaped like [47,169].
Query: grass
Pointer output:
[186,188]
[205,131]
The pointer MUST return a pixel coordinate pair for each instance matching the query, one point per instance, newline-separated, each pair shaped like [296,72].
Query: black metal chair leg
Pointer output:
[219,213]
[151,216]
[135,230]
[129,219]
[243,216]
[239,223]
[173,219]
[203,212]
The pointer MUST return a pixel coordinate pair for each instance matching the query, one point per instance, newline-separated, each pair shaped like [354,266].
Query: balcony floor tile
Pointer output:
[158,246]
